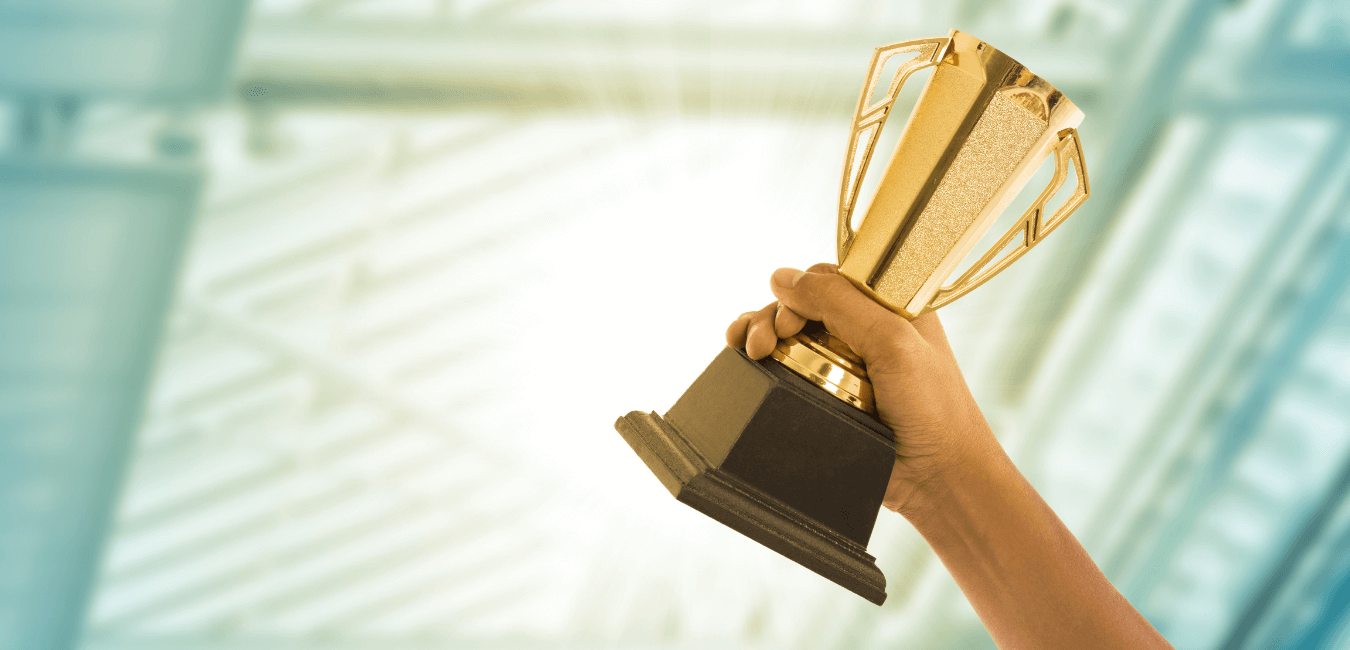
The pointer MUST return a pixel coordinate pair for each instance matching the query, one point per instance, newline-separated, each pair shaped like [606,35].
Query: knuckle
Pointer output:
[832,286]
[885,346]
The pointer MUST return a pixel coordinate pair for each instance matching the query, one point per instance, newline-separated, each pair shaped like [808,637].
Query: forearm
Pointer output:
[1031,582]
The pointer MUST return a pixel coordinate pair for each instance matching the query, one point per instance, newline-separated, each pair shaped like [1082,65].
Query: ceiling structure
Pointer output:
[89,249]
[444,245]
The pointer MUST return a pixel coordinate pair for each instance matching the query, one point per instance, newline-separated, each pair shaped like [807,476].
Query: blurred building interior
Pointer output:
[315,316]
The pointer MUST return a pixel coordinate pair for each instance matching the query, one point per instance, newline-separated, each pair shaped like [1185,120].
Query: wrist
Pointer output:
[974,466]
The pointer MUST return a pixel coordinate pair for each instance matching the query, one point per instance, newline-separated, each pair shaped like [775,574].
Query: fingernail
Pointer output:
[787,277]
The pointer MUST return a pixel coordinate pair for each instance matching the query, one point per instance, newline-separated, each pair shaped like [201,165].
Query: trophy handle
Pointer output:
[868,120]
[1033,227]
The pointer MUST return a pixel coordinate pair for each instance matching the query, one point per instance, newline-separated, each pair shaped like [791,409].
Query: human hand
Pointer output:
[919,391]
[1031,582]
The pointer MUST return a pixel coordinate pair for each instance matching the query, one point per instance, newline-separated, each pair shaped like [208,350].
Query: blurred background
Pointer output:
[315,316]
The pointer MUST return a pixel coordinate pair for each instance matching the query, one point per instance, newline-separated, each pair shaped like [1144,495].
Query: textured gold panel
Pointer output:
[981,127]
[1001,137]
[936,122]
[1032,227]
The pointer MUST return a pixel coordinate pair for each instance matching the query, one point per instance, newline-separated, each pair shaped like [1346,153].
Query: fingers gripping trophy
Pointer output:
[789,450]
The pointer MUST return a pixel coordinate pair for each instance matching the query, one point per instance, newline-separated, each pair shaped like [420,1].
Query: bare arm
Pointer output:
[1031,582]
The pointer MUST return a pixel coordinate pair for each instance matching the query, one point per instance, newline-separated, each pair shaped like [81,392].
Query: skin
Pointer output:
[1031,582]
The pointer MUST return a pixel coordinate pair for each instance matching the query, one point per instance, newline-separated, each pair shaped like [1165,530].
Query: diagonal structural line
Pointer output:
[359,572]
[198,498]
[1257,608]
[202,587]
[316,362]
[341,482]
[1242,423]
[329,167]
[336,373]
[421,576]
[1147,108]
[309,508]
[132,640]
[1329,618]
[1123,289]
[432,582]
[1218,340]
[303,573]
[188,550]
[1273,36]
[339,243]
[294,543]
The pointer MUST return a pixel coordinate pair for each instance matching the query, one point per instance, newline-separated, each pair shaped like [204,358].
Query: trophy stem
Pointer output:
[824,360]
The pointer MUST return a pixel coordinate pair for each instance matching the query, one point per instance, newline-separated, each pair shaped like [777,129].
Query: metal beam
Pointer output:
[1208,358]
[681,70]
[88,255]
[1244,421]
[1276,579]
[112,641]
[1145,109]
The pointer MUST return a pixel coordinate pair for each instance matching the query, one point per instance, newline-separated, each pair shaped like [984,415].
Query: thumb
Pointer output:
[867,327]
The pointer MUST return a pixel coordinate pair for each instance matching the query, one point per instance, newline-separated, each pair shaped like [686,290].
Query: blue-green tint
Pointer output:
[163,50]
[87,260]
[438,246]
[89,253]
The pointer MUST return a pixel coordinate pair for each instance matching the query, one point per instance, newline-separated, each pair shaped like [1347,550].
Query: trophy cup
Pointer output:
[788,450]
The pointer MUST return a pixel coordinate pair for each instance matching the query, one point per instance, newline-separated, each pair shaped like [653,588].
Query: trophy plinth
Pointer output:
[763,451]
[787,450]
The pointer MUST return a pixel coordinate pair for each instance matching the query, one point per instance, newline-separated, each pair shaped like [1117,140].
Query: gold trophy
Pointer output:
[788,450]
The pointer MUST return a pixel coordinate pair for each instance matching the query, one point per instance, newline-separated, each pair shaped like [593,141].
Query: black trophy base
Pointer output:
[758,448]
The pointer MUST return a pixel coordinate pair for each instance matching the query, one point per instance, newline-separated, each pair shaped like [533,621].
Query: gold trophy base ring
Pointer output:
[824,360]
